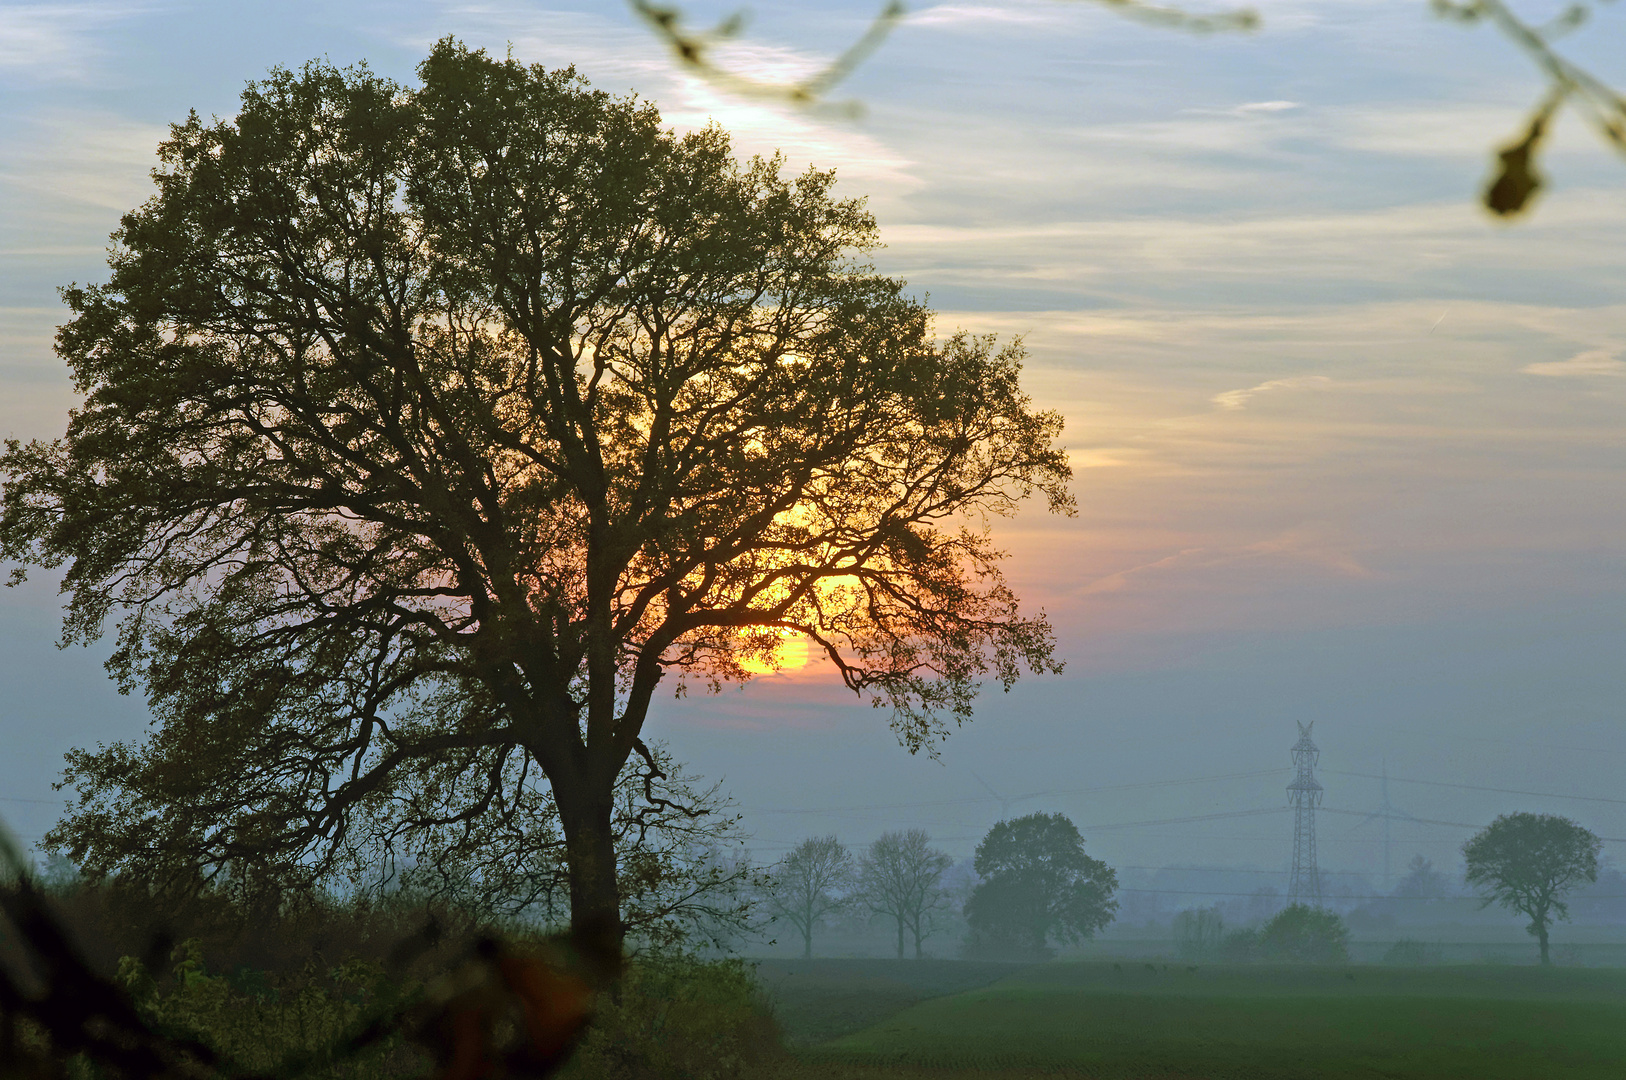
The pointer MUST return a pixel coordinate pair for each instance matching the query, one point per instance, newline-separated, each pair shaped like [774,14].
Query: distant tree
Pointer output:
[811,883]
[1422,881]
[1301,934]
[426,430]
[901,877]
[1038,886]
[1528,863]
[1199,933]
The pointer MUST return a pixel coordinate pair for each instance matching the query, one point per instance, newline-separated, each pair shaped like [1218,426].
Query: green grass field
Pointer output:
[1249,1023]
[819,1000]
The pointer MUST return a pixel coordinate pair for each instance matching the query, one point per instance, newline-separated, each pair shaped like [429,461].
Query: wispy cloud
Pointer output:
[1238,399]
[55,41]
[982,16]
[1251,108]
[81,160]
[1309,544]
[1256,108]
[1593,362]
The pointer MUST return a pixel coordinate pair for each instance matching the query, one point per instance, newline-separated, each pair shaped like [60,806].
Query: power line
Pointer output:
[1418,820]
[1543,745]
[1183,820]
[1278,896]
[1476,787]
[963,800]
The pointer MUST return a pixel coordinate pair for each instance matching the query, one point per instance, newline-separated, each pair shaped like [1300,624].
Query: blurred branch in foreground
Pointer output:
[694,49]
[483,1009]
[1516,180]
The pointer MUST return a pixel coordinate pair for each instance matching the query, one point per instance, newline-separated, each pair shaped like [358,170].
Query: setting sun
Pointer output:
[792,654]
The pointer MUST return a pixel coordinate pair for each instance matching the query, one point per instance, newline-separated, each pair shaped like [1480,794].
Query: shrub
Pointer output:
[1239,947]
[676,1017]
[259,1020]
[991,945]
[1300,934]
[1407,951]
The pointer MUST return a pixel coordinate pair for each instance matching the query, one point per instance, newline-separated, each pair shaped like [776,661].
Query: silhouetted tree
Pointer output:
[901,877]
[811,883]
[1528,863]
[426,429]
[1038,886]
[1422,881]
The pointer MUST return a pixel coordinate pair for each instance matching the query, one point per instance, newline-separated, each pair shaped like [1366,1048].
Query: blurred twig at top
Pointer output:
[1179,19]
[1516,179]
[693,49]
[1511,189]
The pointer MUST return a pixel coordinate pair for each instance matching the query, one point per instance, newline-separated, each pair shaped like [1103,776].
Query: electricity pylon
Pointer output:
[1304,886]
[1005,800]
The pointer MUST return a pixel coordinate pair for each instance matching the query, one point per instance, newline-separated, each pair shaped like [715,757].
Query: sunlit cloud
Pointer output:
[1587,364]
[1238,399]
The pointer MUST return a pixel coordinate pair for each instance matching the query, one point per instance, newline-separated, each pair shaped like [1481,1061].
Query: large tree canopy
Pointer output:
[425,429]
[1037,886]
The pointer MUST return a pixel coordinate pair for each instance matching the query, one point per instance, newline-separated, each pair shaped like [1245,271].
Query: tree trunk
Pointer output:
[595,894]
[1538,927]
[900,937]
[807,940]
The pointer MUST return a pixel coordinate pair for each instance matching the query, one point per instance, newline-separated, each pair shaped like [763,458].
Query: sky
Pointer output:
[1347,451]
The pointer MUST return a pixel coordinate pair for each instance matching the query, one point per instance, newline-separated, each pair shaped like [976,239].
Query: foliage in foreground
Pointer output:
[672,1016]
[676,1017]
[258,1020]
[348,990]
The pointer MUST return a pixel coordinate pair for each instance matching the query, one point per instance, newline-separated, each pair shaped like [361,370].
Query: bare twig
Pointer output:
[1602,107]
[693,49]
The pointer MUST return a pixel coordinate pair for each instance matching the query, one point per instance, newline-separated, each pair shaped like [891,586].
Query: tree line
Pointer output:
[1036,888]
[1526,863]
